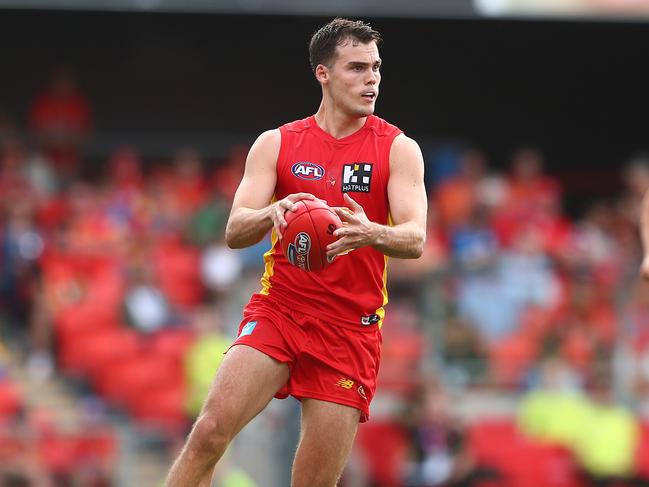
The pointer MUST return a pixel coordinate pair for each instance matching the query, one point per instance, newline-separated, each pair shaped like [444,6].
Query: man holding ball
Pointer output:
[317,336]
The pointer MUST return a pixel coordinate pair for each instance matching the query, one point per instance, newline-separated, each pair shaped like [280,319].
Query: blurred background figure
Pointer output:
[61,119]
[439,444]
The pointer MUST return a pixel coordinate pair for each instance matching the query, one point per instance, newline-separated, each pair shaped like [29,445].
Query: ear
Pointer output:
[322,74]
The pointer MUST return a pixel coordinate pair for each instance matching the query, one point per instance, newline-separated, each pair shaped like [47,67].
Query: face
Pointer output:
[352,81]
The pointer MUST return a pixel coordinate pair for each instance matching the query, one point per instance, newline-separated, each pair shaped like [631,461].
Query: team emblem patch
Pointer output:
[357,177]
[308,171]
[248,328]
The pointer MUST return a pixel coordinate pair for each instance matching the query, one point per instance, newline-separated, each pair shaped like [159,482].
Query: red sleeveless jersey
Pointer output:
[351,292]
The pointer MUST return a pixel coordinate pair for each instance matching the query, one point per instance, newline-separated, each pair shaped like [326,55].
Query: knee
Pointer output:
[210,435]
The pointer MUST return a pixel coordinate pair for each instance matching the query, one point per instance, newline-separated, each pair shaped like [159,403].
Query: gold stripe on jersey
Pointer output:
[269,263]
[381,310]
[269,260]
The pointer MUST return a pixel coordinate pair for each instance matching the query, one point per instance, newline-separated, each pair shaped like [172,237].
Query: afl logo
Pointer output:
[308,171]
[298,251]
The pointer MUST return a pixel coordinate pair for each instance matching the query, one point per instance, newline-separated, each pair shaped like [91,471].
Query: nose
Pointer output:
[372,79]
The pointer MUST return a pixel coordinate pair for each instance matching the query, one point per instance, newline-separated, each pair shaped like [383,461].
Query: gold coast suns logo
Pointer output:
[345,383]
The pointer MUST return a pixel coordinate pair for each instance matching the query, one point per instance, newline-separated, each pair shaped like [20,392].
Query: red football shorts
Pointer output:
[326,362]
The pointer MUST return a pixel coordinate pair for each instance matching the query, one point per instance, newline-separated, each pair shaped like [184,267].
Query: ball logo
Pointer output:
[308,171]
[298,251]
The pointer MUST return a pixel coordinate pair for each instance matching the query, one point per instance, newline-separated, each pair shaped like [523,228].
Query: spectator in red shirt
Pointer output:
[61,118]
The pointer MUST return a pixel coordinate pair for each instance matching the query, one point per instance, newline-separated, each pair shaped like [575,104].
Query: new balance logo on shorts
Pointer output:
[345,383]
[248,328]
[357,177]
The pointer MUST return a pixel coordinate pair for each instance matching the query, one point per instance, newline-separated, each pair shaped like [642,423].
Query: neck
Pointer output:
[336,123]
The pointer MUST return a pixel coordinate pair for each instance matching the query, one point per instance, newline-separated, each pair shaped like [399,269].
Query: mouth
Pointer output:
[369,95]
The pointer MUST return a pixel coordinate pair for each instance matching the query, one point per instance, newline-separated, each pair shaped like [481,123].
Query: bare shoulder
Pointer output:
[264,151]
[405,150]
[268,142]
[269,137]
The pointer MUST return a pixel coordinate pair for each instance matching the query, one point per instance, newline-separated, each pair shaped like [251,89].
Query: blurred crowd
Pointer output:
[114,275]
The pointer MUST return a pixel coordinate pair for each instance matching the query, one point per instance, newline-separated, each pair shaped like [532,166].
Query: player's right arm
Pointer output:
[644,234]
[252,214]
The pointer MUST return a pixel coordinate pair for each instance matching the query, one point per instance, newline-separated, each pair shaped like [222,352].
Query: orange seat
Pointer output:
[106,347]
[642,452]
[172,343]
[71,326]
[523,462]
[489,440]
[128,378]
[98,447]
[57,452]
[162,407]
[384,445]
[12,445]
[510,358]
[11,400]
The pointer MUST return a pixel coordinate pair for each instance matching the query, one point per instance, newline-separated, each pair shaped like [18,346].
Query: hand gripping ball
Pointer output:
[309,230]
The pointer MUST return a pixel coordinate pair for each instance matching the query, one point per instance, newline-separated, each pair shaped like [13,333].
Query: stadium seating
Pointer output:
[11,400]
[497,443]
[384,445]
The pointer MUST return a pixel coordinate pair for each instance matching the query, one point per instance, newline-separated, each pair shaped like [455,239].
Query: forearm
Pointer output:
[644,224]
[404,241]
[246,227]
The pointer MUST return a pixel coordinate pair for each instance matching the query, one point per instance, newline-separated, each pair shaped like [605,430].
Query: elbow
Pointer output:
[418,247]
[230,238]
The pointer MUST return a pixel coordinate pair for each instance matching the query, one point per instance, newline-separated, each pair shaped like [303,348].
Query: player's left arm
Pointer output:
[644,234]
[406,236]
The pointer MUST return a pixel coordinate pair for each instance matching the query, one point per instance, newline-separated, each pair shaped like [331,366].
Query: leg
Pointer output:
[326,438]
[244,384]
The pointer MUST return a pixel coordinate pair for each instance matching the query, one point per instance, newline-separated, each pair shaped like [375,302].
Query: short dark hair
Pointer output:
[322,47]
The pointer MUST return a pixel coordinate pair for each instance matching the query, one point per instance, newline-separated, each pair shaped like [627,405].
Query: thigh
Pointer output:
[326,438]
[245,382]
[338,365]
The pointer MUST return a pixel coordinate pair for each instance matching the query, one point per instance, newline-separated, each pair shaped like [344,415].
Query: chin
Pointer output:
[365,111]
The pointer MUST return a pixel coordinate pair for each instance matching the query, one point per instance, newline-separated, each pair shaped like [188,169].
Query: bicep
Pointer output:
[258,183]
[406,190]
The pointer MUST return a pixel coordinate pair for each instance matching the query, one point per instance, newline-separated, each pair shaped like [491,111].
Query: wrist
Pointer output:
[379,234]
[268,214]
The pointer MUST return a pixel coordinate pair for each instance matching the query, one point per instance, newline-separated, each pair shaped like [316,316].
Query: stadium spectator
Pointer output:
[21,245]
[439,453]
[606,442]
[494,296]
[61,118]
[145,305]
[203,357]
[456,196]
